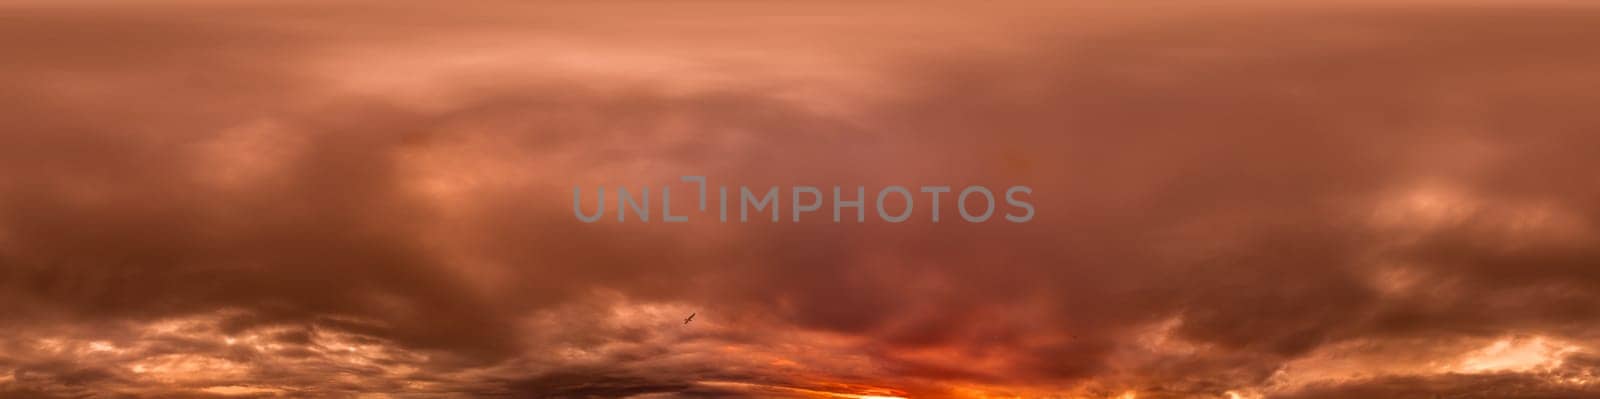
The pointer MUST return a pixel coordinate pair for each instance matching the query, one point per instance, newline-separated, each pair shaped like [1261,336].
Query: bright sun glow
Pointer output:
[1510,354]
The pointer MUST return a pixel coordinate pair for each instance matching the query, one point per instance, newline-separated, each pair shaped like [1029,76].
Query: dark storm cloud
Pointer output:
[246,200]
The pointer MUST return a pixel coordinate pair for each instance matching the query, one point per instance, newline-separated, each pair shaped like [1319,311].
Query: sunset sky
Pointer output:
[1235,200]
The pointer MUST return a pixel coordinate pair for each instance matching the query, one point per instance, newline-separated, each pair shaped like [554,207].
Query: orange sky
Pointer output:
[373,199]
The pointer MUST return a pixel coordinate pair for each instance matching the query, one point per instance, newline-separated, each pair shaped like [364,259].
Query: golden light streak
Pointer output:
[802,391]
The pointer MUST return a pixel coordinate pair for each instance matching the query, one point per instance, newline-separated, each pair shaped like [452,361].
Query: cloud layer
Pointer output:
[1240,201]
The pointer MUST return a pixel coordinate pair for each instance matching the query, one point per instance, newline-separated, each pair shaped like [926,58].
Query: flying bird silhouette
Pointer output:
[686,320]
